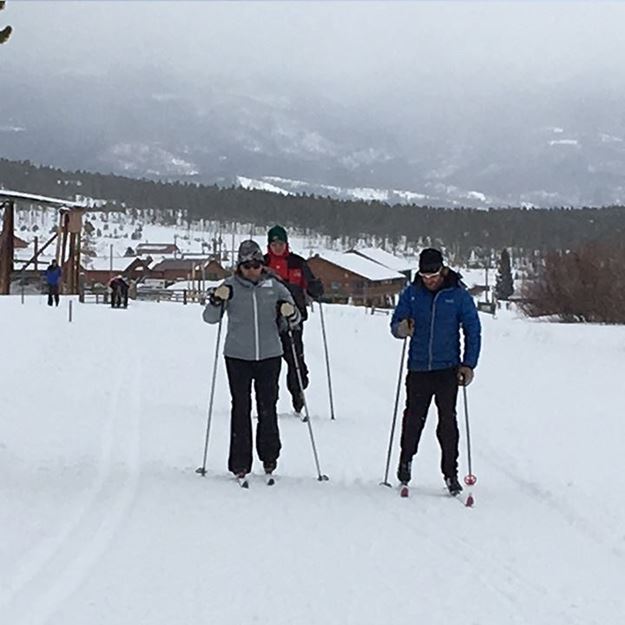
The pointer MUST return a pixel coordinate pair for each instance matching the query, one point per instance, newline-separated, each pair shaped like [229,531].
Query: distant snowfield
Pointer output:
[104,521]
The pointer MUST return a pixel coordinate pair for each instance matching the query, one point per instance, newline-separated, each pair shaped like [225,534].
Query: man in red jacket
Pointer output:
[294,271]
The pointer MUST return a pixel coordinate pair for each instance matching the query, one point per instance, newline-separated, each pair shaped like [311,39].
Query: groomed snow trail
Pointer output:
[104,521]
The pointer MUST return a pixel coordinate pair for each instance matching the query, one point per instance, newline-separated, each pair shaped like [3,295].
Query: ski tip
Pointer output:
[271,481]
[470,501]
[404,491]
[242,481]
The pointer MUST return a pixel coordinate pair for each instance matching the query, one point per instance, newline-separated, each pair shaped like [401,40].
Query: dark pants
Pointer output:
[119,297]
[265,374]
[292,382]
[53,294]
[421,386]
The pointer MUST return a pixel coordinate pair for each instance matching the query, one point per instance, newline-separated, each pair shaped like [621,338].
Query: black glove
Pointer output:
[315,288]
[465,375]
[405,328]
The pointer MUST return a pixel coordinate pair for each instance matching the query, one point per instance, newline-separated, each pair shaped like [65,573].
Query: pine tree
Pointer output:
[5,33]
[504,284]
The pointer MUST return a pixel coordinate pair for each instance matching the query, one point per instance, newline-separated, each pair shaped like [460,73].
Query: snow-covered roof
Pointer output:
[153,258]
[18,195]
[362,266]
[191,285]
[187,264]
[472,277]
[156,248]
[382,257]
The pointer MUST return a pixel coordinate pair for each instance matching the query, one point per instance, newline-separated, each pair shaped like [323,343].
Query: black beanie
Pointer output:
[277,233]
[430,260]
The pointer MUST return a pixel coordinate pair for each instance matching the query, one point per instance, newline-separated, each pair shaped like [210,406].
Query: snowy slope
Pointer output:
[104,521]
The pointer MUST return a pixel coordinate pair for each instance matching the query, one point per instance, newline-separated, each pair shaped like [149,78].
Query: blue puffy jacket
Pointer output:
[438,317]
[53,275]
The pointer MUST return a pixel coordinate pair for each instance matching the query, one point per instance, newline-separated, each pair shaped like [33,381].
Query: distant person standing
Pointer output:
[294,271]
[53,279]
[431,312]
[119,292]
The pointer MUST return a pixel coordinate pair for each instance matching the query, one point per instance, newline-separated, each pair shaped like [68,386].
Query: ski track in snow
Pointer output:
[516,594]
[553,502]
[50,573]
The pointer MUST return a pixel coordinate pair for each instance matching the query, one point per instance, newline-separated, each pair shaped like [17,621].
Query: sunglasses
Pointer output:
[432,274]
[251,264]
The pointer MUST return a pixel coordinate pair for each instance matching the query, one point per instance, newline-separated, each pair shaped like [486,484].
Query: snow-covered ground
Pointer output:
[104,521]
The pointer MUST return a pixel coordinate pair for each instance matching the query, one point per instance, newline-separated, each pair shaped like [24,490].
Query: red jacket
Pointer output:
[294,271]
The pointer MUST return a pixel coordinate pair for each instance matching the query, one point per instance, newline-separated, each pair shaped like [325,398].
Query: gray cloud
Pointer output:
[358,47]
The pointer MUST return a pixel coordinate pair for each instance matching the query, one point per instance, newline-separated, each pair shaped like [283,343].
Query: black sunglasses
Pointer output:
[251,264]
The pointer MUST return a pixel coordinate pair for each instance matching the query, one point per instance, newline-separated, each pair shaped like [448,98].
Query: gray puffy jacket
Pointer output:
[253,318]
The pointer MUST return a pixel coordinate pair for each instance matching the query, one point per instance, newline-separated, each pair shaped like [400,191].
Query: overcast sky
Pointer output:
[355,47]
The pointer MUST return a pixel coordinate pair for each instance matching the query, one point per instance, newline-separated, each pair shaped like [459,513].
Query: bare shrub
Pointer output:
[583,285]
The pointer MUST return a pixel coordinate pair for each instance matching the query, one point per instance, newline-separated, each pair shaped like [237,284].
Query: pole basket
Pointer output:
[470,479]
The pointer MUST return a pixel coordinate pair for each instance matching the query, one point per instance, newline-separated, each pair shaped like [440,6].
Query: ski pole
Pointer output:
[202,470]
[325,345]
[469,479]
[320,476]
[385,482]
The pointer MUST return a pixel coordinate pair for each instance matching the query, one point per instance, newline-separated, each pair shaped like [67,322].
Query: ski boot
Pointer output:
[403,475]
[453,485]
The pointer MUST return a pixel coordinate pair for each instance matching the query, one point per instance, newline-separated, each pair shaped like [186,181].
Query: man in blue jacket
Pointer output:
[431,312]
[53,280]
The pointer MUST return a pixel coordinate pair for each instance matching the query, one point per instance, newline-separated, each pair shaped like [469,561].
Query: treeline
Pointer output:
[460,230]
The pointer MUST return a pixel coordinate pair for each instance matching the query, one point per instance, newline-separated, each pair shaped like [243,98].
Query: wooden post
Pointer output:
[68,268]
[74,227]
[77,264]
[6,247]
[64,234]
[59,231]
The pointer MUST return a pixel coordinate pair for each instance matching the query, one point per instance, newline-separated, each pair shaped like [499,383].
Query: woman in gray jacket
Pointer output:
[258,307]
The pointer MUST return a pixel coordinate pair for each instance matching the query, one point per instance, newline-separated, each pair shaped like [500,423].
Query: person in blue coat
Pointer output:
[53,280]
[431,312]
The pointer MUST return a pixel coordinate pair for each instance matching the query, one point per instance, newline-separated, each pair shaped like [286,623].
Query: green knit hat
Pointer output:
[277,233]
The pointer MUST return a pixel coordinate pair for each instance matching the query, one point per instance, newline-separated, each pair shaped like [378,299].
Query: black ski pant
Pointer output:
[119,297]
[265,374]
[53,294]
[421,386]
[292,382]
